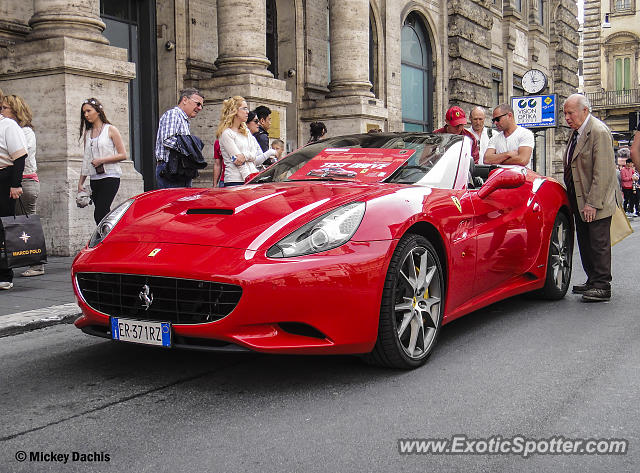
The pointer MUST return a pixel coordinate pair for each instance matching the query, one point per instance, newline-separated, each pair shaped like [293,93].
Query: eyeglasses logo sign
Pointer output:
[531,103]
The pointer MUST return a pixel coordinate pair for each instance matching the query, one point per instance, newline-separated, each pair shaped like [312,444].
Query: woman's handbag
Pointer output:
[21,241]
[620,226]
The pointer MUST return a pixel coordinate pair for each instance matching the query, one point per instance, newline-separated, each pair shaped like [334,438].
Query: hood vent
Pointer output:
[210,212]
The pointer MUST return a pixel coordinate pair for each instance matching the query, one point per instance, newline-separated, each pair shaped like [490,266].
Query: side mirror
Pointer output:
[250,176]
[503,178]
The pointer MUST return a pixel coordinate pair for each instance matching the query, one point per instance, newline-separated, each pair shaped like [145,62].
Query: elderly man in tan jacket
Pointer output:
[592,185]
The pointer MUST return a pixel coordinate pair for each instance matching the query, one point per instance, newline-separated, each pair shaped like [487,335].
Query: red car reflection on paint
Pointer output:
[293,263]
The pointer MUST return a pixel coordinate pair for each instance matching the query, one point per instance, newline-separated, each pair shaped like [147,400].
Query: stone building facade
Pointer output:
[611,64]
[354,65]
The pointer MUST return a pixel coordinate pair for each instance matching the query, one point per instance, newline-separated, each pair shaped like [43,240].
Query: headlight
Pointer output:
[108,222]
[324,233]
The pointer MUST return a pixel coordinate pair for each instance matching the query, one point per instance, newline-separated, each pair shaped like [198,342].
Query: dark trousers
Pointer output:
[629,199]
[594,243]
[7,207]
[103,191]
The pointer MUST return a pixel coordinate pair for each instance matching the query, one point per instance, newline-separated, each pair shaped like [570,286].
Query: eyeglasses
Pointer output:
[497,119]
[254,121]
[198,104]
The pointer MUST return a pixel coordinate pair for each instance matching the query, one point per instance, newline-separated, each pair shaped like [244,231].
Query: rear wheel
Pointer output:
[559,260]
[412,306]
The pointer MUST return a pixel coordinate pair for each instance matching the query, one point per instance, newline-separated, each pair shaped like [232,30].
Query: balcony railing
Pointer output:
[614,98]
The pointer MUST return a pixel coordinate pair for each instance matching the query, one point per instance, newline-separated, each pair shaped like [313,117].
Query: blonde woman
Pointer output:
[103,150]
[15,108]
[237,145]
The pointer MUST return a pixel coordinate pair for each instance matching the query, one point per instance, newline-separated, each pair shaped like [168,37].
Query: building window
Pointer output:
[541,12]
[623,73]
[272,37]
[496,86]
[373,53]
[417,76]
[623,5]
[517,4]
[517,89]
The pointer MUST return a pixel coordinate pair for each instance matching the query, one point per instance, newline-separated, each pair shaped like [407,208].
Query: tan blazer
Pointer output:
[594,170]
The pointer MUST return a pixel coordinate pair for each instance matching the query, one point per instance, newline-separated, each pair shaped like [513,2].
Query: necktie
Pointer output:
[568,175]
[572,146]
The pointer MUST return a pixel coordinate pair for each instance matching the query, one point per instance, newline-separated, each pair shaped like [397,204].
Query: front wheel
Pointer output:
[559,260]
[412,306]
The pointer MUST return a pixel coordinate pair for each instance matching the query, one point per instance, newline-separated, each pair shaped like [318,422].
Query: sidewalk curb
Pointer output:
[29,320]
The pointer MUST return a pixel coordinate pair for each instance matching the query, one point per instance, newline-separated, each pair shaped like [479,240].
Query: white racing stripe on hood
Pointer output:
[246,205]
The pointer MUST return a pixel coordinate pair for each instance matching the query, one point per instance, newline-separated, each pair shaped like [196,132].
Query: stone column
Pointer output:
[241,38]
[593,82]
[349,34]
[241,70]
[69,18]
[64,60]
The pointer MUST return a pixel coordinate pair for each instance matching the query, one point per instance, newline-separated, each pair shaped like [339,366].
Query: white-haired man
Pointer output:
[592,185]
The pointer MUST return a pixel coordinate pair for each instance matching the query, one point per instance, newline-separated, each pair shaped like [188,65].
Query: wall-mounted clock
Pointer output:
[534,81]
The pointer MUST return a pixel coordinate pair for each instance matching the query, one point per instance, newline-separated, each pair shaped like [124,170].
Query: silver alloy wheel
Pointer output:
[560,255]
[417,302]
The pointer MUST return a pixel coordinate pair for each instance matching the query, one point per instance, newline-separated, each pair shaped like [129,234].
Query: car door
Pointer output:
[500,227]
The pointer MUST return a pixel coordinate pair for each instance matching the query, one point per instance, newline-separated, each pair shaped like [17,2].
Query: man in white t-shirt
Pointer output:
[513,145]
[480,131]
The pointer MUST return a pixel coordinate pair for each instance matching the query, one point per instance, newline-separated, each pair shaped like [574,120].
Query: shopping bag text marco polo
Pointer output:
[21,241]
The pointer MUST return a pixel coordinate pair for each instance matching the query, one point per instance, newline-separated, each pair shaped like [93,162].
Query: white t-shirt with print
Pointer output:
[520,137]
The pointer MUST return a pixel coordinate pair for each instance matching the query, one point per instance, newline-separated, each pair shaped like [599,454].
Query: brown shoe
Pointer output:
[595,294]
[580,288]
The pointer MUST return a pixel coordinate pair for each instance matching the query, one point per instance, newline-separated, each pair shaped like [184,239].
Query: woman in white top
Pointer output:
[236,143]
[14,107]
[103,150]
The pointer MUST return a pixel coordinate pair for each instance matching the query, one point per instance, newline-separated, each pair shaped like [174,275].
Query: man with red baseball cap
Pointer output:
[456,120]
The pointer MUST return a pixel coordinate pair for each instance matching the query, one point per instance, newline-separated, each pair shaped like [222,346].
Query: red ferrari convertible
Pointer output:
[362,244]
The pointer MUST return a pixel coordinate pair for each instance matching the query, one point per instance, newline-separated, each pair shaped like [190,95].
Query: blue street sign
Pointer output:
[535,111]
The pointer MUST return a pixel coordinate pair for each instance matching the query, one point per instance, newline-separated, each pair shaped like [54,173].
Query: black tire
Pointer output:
[412,304]
[559,260]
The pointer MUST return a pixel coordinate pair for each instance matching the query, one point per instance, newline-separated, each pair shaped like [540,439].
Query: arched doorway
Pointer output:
[417,76]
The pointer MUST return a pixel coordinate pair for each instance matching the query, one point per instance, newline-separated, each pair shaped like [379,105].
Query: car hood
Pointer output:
[245,217]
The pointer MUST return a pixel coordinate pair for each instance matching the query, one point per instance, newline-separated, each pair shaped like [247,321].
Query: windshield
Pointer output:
[356,157]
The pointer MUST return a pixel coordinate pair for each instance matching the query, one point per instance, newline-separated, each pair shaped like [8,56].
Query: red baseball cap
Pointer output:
[455,116]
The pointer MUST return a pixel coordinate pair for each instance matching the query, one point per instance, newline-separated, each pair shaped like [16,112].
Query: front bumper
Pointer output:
[327,303]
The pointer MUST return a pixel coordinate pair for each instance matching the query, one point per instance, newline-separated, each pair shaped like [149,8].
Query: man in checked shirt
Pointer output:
[175,122]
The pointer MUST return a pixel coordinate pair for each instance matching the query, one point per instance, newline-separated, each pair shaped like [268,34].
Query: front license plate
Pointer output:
[136,331]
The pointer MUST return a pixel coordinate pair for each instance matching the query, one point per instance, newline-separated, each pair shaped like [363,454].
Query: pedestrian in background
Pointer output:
[264,158]
[263,114]
[218,165]
[278,145]
[455,120]
[103,150]
[317,131]
[238,146]
[626,182]
[481,133]
[513,144]
[590,177]
[635,147]
[174,122]
[15,107]
[13,154]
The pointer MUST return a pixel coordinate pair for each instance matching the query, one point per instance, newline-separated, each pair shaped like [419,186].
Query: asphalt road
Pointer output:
[519,367]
